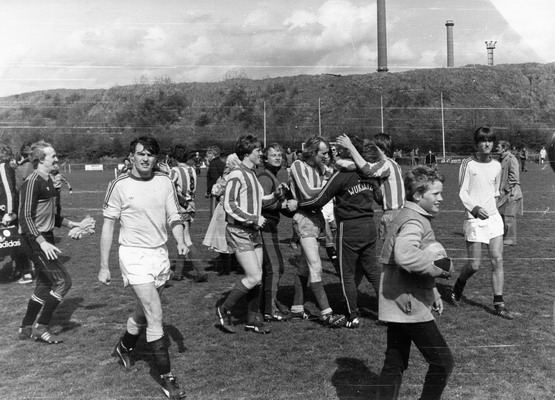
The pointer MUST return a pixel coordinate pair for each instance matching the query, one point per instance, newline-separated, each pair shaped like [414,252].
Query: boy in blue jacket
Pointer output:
[407,288]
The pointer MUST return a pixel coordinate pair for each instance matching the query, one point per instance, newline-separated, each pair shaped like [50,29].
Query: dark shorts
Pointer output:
[242,238]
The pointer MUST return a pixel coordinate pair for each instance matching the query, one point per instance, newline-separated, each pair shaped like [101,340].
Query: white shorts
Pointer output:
[139,265]
[483,230]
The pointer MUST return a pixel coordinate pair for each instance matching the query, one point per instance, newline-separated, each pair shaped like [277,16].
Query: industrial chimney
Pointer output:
[382,38]
[490,46]
[450,53]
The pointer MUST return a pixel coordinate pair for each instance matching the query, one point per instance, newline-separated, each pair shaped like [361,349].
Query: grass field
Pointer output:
[495,358]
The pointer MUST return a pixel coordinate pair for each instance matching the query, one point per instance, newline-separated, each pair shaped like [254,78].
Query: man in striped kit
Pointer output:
[185,181]
[243,206]
[37,212]
[306,182]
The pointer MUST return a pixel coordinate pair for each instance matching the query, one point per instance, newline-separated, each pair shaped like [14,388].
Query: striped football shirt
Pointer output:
[391,178]
[306,181]
[243,195]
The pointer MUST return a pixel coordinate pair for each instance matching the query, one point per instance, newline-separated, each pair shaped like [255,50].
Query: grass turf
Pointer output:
[495,358]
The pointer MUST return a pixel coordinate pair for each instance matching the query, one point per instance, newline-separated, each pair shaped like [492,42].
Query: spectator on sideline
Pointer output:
[510,200]
[126,166]
[9,202]
[58,179]
[431,160]
[144,202]
[523,154]
[289,157]
[25,166]
[479,178]
[243,206]
[197,161]
[37,219]
[357,234]
[307,180]
[412,259]
[272,262]
[215,170]
[185,182]
[215,237]
[543,154]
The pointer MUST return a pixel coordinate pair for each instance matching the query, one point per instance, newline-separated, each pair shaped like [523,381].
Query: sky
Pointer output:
[92,44]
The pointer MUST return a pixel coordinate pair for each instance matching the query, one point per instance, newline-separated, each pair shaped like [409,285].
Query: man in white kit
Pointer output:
[143,201]
[479,177]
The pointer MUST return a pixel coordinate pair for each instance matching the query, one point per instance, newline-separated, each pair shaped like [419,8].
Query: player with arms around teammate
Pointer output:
[37,219]
[356,233]
[479,178]
[144,202]
[243,206]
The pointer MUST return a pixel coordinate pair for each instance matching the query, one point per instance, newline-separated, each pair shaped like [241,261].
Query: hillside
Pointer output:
[517,99]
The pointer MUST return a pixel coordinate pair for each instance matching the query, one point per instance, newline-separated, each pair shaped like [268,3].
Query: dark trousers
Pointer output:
[430,342]
[272,265]
[52,276]
[356,249]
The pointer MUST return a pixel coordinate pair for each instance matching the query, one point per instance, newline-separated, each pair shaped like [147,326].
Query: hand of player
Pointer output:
[344,141]
[261,221]
[104,276]
[75,233]
[7,218]
[438,306]
[482,213]
[292,205]
[50,250]
[284,187]
[182,249]
[87,224]
[164,167]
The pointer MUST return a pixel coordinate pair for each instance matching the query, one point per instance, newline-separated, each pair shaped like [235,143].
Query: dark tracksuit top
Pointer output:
[356,237]
[37,218]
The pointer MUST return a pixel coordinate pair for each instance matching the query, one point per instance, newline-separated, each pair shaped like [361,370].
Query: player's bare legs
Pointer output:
[497,273]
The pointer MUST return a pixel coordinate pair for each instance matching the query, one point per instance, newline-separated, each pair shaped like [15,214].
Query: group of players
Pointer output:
[151,197]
